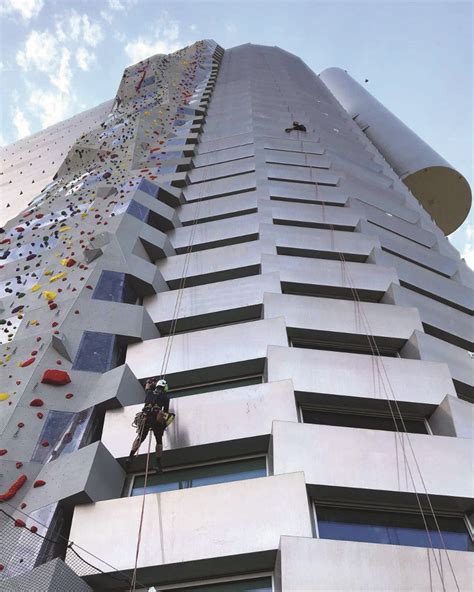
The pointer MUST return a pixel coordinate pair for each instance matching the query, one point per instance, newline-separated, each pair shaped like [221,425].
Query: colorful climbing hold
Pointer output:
[55,377]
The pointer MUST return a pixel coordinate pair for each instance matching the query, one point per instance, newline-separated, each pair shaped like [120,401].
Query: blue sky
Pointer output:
[59,57]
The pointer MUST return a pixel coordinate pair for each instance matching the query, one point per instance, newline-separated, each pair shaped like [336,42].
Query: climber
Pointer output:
[298,127]
[154,416]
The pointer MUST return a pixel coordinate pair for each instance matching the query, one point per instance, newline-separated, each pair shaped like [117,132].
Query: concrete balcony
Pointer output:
[214,234]
[426,282]
[309,565]
[373,463]
[317,242]
[324,277]
[299,192]
[219,208]
[314,215]
[225,302]
[222,170]
[244,425]
[226,155]
[438,319]
[317,374]
[459,361]
[344,322]
[215,265]
[199,532]
[407,249]
[215,354]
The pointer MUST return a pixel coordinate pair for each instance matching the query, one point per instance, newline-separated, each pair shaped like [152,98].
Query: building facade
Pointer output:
[295,286]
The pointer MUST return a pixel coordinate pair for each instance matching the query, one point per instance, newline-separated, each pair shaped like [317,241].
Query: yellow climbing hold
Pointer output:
[4,396]
[34,322]
[48,272]
[49,295]
[64,228]
[58,276]
[36,287]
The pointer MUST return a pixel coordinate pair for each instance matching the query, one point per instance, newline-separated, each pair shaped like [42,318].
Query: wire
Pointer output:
[379,359]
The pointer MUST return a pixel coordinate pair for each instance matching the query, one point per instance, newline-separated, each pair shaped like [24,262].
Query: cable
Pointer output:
[166,358]
[379,359]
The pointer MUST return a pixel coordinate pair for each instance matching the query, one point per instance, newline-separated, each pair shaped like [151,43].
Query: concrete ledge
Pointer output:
[308,565]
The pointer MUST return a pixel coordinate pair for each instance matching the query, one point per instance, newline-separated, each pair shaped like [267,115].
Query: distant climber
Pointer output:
[154,416]
[297,127]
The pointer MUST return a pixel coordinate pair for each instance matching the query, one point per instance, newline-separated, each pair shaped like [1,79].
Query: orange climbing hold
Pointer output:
[4,497]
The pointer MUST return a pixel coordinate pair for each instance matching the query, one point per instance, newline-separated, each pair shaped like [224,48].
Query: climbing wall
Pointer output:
[75,265]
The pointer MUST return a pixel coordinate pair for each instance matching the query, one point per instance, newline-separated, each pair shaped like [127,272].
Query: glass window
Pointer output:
[392,528]
[115,286]
[148,187]
[138,211]
[356,420]
[198,476]
[215,386]
[251,585]
[98,352]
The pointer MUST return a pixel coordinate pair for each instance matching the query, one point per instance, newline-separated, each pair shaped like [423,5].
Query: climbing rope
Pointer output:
[167,354]
[378,358]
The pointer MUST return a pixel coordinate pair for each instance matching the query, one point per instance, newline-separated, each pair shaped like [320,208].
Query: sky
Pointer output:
[60,57]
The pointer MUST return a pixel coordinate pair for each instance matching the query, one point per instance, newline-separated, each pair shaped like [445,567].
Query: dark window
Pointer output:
[99,352]
[138,211]
[392,528]
[148,187]
[357,420]
[115,286]
[344,346]
[253,585]
[198,476]
[215,386]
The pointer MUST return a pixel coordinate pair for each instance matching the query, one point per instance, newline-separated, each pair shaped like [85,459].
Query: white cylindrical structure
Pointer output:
[440,188]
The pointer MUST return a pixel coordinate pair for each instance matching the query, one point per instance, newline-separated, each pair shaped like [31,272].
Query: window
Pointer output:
[115,287]
[99,352]
[263,584]
[200,475]
[391,528]
[358,419]
[215,386]
[345,346]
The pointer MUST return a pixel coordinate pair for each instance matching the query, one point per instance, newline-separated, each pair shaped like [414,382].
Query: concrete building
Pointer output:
[313,321]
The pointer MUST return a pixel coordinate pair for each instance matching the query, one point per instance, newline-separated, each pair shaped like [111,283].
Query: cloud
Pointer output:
[79,27]
[84,58]
[50,106]
[21,124]
[164,39]
[468,250]
[27,9]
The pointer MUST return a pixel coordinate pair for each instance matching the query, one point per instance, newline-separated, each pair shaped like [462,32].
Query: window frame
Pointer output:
[301,408]
[387,508]
[207,463]
[223,580]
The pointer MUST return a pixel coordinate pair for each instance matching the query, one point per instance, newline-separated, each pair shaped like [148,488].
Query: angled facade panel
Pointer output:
[230,222]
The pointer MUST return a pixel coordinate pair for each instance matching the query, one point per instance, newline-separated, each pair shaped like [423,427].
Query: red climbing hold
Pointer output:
[39,483]
[19,522]
[3,451]
[39,415]
[20,424]
[69,395]
[34,529]
[18,465]
[27,362]
[45,443]
[36,403]
[70,262]
[4,497]
[22,505]
[55,377]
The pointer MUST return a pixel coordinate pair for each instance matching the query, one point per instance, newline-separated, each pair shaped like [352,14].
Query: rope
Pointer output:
[166,357]
[68,542]
[142,513]
[379,360]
